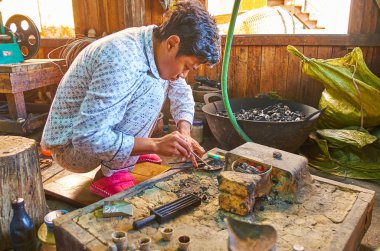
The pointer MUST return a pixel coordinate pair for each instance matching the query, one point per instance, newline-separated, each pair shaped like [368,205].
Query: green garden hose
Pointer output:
[226,59]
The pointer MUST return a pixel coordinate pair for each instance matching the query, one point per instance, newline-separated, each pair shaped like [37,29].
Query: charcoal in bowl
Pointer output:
[275,113]
[285,135]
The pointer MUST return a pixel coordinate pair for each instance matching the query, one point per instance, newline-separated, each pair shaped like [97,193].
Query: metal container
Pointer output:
[287,136]
[200,90]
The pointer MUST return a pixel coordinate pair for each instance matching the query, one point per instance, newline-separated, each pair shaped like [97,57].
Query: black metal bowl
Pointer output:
[287,136]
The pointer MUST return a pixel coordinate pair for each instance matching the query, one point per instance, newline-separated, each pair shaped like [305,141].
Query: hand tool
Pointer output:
[183,162]
[215,156]
[169,211]
[203,162]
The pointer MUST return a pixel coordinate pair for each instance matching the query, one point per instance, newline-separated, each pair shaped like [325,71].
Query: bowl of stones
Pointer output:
[251,167]
[280,124]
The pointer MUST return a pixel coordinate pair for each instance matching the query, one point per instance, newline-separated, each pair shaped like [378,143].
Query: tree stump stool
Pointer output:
[20,176]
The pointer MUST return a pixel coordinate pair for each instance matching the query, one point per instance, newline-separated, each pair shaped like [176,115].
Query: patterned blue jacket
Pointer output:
[111,94]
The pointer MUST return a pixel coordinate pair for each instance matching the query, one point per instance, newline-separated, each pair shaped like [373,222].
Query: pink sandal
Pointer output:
[120,181]
[153,158]
[117,182]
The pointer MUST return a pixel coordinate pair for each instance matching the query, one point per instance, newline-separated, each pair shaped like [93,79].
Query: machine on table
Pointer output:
[19,42]
[19,39]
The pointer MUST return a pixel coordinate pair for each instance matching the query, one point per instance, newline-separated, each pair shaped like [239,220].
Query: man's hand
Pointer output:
[196,148]
[171,145]
[174,144]
[184,128]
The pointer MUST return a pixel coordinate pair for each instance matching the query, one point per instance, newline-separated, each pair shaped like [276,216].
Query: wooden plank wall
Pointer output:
[364,17]
[103,15]
[254,67]
[271,68]
[134,13]
[154,11]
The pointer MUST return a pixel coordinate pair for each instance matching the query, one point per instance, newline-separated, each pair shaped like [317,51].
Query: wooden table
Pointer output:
[15,79]
[82,230]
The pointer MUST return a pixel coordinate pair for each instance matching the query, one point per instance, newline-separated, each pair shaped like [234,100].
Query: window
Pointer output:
[53,18]
[284,16]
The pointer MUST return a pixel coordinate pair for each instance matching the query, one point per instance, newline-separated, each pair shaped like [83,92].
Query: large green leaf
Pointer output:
[341,98]
[341,138]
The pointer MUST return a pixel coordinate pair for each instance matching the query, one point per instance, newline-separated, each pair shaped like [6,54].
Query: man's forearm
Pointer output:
[173,144]
[184,127]
[144,146]
[149,145]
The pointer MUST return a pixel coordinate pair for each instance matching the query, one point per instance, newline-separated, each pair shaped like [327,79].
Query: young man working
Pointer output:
[109,99]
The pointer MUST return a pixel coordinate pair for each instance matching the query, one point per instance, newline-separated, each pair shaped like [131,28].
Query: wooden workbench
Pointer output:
[81,230]
[15,79]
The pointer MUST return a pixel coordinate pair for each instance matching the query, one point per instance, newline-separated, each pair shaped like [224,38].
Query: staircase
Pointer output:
[304,11]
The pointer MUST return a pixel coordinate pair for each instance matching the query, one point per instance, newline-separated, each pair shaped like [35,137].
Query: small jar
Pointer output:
[197,130]
[119,238]
[167,233]
[46,231]
[172,125]
[46,238]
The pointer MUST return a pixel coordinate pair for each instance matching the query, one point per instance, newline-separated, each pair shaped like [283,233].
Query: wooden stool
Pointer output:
[20,176]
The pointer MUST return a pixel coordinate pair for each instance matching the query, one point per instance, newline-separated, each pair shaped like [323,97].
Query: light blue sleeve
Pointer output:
[181,101]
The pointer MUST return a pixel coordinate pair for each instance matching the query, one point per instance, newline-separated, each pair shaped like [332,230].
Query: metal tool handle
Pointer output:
[143,222]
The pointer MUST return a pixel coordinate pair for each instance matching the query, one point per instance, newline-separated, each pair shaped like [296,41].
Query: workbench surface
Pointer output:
[329,216]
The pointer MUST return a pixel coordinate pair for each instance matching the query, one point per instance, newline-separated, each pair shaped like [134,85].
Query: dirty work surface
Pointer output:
[313,221]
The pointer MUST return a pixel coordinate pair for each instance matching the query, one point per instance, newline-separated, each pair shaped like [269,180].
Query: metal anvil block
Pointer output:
[237,191]
[289,171]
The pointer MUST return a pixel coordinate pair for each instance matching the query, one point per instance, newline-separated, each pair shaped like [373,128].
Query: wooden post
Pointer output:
[20,176]
[16,105]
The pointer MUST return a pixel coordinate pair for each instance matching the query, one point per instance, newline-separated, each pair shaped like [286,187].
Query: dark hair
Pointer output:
[197,30]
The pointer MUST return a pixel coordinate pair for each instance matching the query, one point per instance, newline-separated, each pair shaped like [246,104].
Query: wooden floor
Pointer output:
[73,188]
